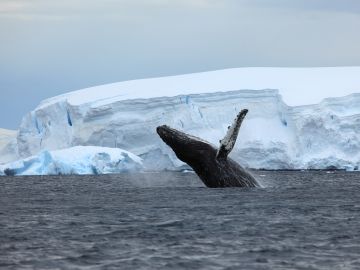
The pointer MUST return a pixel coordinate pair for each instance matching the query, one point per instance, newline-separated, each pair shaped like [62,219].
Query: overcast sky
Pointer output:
[52,47]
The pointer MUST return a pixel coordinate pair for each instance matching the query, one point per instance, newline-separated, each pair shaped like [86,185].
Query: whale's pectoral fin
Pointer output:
[227,144]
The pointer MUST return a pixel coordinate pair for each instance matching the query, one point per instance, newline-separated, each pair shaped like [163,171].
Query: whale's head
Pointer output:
[188,148]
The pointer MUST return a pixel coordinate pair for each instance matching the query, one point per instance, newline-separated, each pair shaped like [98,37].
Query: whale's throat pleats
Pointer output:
[228,142]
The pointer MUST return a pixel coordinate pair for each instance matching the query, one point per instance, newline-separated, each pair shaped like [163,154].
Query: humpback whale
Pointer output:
[212,165]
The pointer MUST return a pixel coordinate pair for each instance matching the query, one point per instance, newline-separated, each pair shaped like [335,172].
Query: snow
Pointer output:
[75,160]
[274,135]
[298,86]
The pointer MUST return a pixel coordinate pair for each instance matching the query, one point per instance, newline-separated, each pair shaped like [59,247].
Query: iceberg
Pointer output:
[290,125]
[75,160]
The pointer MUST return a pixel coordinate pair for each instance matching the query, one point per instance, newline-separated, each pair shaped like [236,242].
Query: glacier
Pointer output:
[290,125]
[75,160]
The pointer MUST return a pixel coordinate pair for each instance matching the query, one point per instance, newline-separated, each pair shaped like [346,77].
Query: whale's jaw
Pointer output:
[170,135]
[187,148]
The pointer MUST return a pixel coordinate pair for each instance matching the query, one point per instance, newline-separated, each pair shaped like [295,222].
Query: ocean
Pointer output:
[169,220]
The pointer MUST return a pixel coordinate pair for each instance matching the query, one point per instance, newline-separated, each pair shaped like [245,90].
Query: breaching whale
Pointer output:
[212,165]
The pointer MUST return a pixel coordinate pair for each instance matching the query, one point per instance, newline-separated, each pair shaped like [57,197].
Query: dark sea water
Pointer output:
[299,220]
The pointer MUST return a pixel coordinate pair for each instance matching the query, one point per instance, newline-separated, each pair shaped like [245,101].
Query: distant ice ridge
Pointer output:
[273,136]
[75,160]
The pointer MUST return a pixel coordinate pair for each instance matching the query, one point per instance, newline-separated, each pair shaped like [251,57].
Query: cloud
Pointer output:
[45,9]
[11,6]
[78,7]
[348,6]
[140,9]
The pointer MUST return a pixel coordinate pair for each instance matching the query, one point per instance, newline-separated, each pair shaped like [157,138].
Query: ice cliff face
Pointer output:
[8,145]
[328,133]
[273,135]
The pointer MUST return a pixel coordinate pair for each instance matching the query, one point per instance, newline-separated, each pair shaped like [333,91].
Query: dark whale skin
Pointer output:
[202,157]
